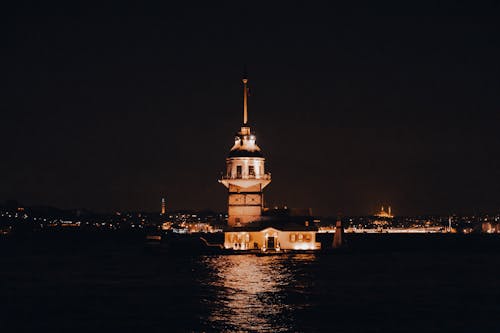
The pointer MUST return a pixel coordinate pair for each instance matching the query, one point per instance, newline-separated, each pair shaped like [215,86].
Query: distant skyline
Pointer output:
[354,106]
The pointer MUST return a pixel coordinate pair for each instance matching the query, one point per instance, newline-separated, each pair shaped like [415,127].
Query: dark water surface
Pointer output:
[385,283]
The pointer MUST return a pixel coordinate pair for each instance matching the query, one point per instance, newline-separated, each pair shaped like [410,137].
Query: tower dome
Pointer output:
[244,144]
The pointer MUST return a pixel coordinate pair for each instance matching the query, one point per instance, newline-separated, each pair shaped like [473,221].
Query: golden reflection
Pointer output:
[250,291]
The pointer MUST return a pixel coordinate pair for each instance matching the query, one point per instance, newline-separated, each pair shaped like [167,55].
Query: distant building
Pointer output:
[386,214]
[490,227]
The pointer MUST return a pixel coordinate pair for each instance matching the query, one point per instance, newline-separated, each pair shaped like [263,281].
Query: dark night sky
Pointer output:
[110,108]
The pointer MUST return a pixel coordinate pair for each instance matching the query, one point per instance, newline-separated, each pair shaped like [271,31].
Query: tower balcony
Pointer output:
[245,181]
[265,176]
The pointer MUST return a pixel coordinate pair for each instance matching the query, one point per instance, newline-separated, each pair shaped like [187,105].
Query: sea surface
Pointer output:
[110,282]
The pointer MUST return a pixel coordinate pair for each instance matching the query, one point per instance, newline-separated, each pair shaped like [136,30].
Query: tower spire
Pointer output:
[245,99]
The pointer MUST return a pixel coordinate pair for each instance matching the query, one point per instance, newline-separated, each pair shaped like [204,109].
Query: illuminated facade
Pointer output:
[245,176]
[271,239]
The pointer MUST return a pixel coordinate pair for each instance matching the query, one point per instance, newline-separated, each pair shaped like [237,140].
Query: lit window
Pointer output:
[251,171]
[292,238]
[301,237]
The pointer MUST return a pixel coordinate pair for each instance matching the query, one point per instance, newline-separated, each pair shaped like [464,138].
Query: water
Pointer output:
[385,283]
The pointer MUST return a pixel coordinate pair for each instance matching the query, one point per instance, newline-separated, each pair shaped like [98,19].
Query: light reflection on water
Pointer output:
[247,293]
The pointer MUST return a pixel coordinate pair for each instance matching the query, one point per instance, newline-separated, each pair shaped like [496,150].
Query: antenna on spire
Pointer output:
[245,96]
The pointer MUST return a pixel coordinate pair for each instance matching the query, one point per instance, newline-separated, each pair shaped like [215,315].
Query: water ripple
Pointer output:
[248,293]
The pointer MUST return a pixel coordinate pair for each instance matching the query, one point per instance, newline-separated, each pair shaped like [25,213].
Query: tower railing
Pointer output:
[265,176]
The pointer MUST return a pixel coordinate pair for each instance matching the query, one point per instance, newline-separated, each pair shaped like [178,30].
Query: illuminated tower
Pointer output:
[163,206]
[245,176]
